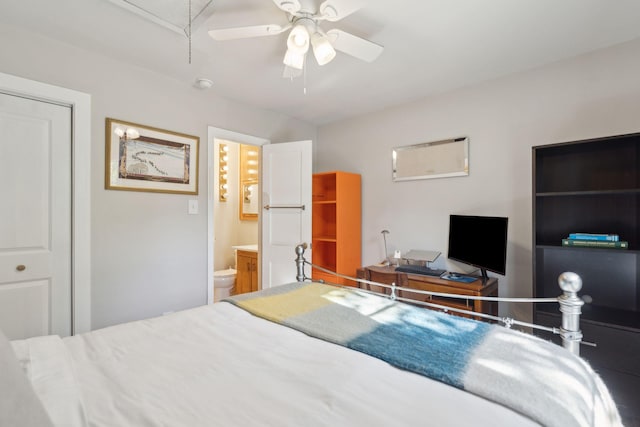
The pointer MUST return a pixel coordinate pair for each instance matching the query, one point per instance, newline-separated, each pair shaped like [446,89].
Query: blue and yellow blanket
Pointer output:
[533,377]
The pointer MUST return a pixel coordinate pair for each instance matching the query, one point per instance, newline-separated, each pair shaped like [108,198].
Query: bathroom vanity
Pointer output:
[247,269]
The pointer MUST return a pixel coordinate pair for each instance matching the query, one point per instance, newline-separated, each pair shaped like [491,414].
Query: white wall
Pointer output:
[589,96]
[148,255]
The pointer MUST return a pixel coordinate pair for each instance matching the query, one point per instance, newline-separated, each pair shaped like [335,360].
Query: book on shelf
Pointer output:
[595,243]
[594,236]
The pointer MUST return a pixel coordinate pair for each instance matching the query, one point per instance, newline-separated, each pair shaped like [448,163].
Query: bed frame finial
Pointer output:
[300,276]
[571,308]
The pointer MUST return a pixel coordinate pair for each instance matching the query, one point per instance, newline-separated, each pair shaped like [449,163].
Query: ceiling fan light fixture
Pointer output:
[294,59]
[322,49]
[298,39]
[304,32]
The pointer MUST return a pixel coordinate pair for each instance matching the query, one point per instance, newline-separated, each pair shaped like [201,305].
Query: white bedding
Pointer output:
[48,366]
[219,365]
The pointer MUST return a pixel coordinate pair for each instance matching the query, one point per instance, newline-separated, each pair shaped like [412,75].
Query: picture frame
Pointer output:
[145,158]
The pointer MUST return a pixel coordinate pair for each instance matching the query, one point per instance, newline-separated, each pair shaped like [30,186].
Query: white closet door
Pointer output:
[35,217]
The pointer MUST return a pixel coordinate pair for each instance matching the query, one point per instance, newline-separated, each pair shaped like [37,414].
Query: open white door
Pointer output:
[286,209]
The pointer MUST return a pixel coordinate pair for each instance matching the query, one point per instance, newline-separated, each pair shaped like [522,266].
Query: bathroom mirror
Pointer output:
[438,159]
[249,200]
[249,166]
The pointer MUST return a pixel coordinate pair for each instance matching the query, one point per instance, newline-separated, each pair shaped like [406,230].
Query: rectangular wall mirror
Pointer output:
[248,200]
[438,159]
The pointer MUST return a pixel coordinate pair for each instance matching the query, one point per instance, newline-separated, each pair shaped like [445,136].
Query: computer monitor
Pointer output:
[480,241]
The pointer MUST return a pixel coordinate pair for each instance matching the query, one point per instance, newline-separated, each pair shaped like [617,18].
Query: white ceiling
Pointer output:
[172,14]
[431,46]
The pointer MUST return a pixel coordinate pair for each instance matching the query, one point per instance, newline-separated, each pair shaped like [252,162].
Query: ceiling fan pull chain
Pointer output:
[304,76]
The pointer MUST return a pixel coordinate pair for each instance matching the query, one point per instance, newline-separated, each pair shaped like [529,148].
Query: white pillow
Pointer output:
[49,367]
[19,405]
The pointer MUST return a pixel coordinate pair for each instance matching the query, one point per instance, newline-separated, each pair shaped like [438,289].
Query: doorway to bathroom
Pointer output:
[233,208]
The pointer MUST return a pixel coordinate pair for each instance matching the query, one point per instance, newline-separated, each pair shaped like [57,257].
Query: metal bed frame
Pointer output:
[570,303]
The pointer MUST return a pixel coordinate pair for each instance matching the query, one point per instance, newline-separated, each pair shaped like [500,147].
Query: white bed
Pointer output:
[220,365]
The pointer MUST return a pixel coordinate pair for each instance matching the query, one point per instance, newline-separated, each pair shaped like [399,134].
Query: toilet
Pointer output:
[223,283]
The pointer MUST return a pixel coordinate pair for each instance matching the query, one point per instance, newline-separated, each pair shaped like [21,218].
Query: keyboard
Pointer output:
[420,269]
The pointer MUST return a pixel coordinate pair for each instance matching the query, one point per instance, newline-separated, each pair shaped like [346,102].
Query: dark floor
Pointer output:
[625,389]
[616,358]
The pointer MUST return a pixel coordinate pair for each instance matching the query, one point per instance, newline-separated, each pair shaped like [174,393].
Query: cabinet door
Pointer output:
[244,273]
[254,274]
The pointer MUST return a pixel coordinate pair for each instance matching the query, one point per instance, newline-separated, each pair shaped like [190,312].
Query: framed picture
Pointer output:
[144,158]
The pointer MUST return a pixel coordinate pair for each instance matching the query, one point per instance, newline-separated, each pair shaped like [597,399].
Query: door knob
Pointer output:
[21,267]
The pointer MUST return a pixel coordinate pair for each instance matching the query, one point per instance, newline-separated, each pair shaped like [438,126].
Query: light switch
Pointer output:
[193,207]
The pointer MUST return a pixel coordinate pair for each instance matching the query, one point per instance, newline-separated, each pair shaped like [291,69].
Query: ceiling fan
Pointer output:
[303,20]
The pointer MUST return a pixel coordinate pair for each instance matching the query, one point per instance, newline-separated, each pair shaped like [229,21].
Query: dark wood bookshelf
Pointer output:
[593,186]
[586,193]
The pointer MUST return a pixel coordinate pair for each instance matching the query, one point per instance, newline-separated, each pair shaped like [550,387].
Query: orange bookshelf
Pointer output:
[336,225]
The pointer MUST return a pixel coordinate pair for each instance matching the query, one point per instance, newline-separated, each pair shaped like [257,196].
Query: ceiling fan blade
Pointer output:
[334,10]
[246,32]
[354,45]
[290,6]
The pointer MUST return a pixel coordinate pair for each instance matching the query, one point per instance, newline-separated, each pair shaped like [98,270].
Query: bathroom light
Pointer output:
[223,167]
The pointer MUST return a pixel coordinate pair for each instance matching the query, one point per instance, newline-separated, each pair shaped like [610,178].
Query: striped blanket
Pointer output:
[533,377]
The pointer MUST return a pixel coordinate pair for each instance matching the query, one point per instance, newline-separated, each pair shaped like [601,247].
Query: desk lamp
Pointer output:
[386,253]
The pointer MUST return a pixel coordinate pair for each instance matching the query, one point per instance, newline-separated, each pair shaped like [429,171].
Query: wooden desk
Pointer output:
[388,275]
